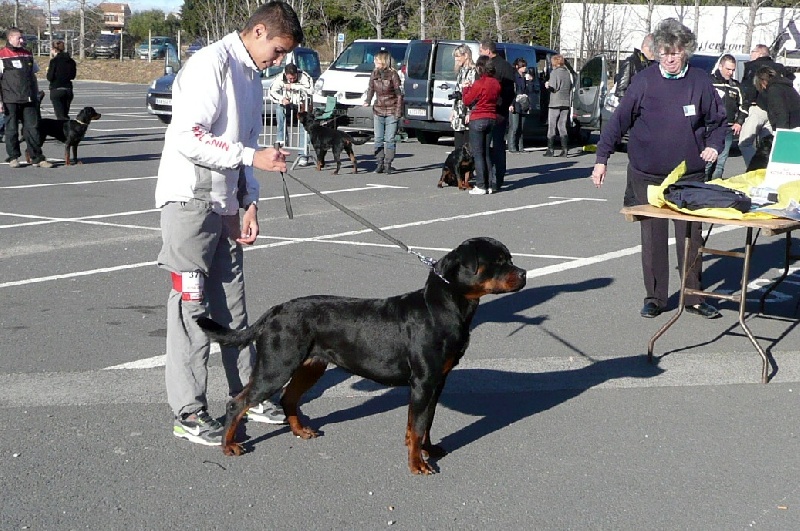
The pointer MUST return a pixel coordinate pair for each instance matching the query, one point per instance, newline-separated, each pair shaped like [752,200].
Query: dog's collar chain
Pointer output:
[430,262]
[80,122]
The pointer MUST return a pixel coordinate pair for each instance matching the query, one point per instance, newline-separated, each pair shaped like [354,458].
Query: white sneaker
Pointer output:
[44,164]
[302,161]
[477,191]
[266,412]
[13,163]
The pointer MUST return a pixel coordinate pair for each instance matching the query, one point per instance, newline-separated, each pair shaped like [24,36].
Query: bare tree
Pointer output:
[498,20]
[377,12]
[461,5]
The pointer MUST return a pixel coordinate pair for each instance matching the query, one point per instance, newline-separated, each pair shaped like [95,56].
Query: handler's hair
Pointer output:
[671,35]
[764,74]
[489,45]
[557,60]
[484,67]
[280,20]
[59,46]
[463,49]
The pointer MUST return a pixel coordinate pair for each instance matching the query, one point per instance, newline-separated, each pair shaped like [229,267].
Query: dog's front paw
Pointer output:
[233,449]
[304,432]
[417,465]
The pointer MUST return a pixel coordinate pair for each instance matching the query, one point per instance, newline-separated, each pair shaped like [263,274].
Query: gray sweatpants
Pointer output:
[197,239]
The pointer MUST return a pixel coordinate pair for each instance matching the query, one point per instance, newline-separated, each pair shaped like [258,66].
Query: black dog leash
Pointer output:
[286,200]
[430,262]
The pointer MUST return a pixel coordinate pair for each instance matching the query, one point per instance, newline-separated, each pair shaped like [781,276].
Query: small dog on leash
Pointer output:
[325,138]
[70,132]
[459,166]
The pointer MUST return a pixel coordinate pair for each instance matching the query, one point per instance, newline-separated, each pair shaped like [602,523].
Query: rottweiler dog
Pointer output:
[459,166]
[412,340]
[70,132]
[325,138]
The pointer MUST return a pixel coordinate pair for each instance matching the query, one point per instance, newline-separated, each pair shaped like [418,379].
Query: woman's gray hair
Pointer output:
[671,35]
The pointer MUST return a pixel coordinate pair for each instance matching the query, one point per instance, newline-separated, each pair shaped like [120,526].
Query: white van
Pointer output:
[347,78]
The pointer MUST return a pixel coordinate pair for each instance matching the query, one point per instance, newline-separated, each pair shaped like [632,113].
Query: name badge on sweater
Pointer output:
[688,110]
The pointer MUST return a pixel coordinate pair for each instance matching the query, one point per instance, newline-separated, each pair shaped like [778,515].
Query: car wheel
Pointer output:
[427,137]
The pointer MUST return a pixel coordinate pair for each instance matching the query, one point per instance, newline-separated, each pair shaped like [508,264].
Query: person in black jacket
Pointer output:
[635,63]
[783,101]
[60,73]
[729,90]
[504,73]
[524,89]
[756,123]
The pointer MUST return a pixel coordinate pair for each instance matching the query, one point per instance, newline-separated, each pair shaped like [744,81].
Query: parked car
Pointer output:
[347,78]
[32,43]
[196,45]
[430,81]
[159,95]
[156,48]
[108,45]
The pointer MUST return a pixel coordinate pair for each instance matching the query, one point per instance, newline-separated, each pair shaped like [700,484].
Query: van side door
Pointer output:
[443,80]
[417,83]
[590,93]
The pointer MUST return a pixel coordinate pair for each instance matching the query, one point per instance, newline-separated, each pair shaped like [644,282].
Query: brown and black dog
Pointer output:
[407,340]
[324,139]
[459,166]
[70,132]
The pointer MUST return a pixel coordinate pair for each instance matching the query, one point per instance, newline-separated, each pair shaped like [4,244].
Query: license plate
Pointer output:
[163,101]
[416,112]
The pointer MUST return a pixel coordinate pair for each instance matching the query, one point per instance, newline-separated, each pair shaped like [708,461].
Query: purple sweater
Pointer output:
[669,121]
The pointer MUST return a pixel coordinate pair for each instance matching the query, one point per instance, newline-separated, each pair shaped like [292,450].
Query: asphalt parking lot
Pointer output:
[554,419]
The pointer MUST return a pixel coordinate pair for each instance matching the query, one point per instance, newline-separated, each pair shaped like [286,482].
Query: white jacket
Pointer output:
[216,120]
[296,92]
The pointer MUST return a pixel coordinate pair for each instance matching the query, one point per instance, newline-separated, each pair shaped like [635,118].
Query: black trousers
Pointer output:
[655,247]
[62,99]
[28,114]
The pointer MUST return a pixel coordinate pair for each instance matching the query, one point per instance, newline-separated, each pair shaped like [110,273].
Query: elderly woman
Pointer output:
[673,114]
[465,75]
[384,85]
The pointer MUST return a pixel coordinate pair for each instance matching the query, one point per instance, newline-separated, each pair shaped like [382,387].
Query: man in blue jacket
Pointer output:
[672,114]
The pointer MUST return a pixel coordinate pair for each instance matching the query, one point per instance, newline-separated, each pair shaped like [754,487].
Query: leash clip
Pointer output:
[430,262]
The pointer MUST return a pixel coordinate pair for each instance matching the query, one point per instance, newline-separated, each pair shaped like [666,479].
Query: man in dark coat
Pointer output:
[504,73]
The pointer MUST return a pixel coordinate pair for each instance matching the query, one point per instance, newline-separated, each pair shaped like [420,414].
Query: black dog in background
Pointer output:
[459,166]
[325,139]
[70,132]
[411,340]
[761,158]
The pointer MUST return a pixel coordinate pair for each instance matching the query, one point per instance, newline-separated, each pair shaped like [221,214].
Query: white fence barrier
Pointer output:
[281,124]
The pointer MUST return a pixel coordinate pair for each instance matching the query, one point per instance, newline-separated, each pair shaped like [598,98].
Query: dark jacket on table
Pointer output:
[385,84]
[17,75]
[749,92]
[504,73]
[482,98]
[61,71]
[731,94]
[669,121]
[634,64]
[783,104]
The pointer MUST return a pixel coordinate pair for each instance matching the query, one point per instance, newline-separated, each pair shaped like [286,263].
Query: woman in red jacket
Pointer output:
[481,98]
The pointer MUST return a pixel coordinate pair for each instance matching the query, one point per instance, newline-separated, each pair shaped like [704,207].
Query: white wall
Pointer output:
[625,25]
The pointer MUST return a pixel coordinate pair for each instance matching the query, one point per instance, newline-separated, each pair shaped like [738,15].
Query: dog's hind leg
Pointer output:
[302,380]
[337,154]
[352,158]
[66,155]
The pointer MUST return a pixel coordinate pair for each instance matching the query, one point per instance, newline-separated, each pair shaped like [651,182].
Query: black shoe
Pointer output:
[549,153]
[650,310]
[389,169]
[704,310]
[379,169]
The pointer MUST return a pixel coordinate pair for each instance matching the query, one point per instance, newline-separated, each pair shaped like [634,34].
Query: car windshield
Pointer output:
[359,55]
[158,40]
[106,39]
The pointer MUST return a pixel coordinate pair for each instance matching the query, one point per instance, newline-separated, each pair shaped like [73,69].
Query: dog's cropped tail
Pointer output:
[226,336]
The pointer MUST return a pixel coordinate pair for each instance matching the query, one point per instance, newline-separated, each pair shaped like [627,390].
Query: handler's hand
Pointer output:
[270,159]
[249,226]
[737,128]
[709,154]
[599,174]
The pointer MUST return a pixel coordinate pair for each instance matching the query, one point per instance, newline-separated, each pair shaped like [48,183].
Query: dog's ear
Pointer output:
[462,259]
